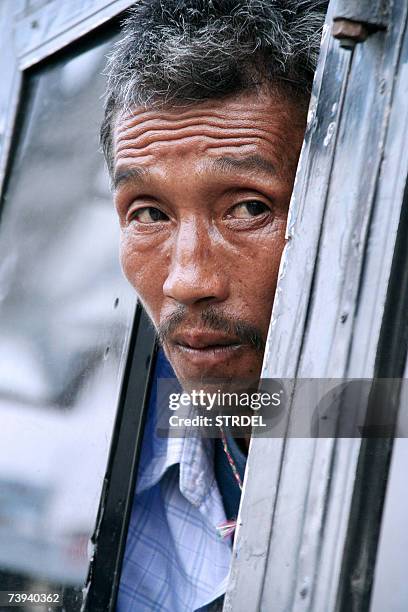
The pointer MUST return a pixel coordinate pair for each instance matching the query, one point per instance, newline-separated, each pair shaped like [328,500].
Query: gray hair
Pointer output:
[178,52]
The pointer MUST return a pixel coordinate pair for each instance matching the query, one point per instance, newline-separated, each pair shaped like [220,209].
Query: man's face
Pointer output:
[202,194]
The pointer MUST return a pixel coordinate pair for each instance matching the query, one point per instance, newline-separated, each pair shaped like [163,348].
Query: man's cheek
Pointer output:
[142,272]
[264,277]
[129,261]
[135,266]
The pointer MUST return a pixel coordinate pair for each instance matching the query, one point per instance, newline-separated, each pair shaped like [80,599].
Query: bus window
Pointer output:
[65,320]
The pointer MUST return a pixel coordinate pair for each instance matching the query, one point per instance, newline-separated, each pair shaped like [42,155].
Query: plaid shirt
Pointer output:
[174,560]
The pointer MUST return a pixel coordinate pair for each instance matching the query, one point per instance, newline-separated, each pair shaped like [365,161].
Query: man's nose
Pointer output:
[197,273]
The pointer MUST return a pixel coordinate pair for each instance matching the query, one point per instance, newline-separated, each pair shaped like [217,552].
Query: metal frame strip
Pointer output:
[110,534]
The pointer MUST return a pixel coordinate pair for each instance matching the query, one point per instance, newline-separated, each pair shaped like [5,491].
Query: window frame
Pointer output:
[31,34]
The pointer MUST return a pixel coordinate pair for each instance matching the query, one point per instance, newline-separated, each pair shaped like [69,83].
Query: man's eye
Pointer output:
[248,210]
[149,214]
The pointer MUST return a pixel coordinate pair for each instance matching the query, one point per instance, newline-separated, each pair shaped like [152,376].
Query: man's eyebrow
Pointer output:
[250,162]
[126,175]
[223,164]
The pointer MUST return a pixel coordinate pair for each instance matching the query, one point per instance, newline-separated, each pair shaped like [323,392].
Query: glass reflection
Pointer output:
[65,320]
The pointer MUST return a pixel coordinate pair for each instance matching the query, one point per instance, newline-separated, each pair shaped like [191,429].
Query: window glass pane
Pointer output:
[65,320]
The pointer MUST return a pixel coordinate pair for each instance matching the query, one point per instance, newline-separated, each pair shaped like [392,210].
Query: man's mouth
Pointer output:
[198,340]
[206,347]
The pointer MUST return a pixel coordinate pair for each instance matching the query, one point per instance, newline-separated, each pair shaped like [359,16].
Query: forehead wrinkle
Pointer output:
[150,124]
[138,139]
[163,151]
[218,111]
[225,156]
[228,120]
[230,123]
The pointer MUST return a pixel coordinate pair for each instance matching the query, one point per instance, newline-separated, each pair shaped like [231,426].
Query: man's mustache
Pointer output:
[244,332]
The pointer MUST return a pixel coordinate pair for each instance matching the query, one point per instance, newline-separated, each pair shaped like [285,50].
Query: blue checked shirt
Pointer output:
[174,560]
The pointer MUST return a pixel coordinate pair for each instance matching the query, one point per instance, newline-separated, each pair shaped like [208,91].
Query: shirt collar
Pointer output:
[193,453]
